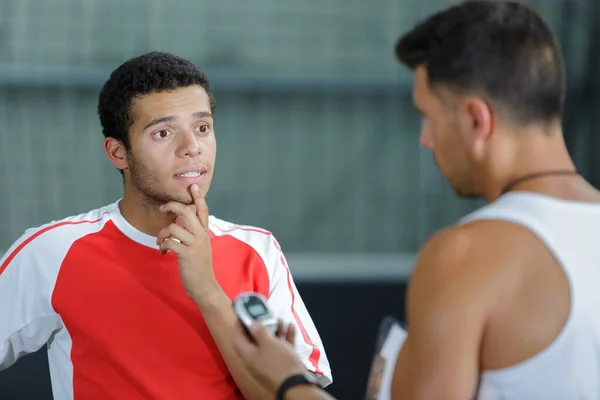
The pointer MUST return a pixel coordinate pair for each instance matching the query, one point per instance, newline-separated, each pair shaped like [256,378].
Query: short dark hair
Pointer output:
[502,50]
[148,73]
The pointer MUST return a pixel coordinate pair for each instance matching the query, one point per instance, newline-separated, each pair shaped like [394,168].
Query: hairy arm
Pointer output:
[217,311]
[271,360]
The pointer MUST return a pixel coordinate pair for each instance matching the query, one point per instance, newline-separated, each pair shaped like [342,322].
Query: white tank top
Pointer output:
[569,368]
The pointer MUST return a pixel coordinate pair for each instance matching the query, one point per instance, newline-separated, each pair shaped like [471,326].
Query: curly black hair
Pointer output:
[500,49]
[149,73]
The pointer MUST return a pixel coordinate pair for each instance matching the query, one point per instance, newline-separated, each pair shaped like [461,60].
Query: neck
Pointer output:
[143,214]
[525,155]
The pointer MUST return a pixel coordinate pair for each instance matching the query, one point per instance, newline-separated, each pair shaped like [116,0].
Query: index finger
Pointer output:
[201,207]
[290,336]
[190,218]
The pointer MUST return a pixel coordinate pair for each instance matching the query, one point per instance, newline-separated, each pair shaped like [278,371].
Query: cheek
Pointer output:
[156,164]
[210,149]
[151,164]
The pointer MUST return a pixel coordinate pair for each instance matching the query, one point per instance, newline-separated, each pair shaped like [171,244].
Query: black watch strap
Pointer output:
[292,381]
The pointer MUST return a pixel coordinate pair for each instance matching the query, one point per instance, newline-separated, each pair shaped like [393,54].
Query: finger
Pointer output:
[242,343]
[280,333]
[172,245]
[290,335]
[181,221]
[174,231]
[259,333]
[201,206]
[191,220]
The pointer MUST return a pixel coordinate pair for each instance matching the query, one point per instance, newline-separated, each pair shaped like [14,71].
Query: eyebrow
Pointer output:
[197,115]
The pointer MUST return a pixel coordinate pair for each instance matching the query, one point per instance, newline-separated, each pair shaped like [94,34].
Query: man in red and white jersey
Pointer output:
[134,299]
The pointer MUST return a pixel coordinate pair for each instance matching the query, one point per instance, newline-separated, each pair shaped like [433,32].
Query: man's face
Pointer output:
[172,145]
[443,132]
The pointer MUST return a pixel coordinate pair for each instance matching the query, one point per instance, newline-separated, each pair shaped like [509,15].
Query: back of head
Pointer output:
[500,50]
[148,73]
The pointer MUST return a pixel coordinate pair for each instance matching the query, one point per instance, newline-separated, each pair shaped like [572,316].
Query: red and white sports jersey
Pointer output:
[114,314]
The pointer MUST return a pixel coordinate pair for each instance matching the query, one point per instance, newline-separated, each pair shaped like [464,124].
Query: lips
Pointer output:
[191,174]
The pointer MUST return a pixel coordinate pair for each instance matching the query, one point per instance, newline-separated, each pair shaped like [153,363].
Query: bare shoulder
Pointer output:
[467,262]
[468,246]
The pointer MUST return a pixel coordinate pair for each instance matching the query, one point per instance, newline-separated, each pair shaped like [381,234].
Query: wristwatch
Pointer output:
[294,380]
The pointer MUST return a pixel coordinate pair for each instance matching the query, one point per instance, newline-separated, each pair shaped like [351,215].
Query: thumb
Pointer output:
[258,332]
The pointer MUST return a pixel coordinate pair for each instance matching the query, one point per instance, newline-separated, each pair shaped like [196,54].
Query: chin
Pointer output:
[163,197]
[462,187]
[184,198]
[465,194]
[462,191]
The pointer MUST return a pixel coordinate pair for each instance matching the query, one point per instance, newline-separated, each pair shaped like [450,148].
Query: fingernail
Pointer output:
[254,327]
[195,187]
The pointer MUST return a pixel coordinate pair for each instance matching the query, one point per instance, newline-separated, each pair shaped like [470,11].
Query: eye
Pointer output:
[203,128]
[163,133]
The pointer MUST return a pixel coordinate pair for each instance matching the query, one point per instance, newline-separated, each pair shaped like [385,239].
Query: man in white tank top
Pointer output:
[506,303]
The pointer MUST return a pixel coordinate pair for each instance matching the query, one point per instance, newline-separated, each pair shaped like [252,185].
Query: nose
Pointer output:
[189,145]
[425,140]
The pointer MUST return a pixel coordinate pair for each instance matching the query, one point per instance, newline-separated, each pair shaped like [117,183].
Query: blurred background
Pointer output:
[317,137]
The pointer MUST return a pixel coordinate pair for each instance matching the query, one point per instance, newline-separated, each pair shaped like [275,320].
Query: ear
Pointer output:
[480,118]
[115,150]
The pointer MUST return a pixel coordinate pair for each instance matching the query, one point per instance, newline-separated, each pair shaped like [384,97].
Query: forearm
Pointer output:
[220,319]
[307,392]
